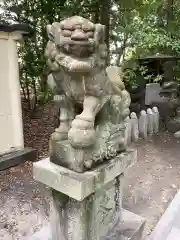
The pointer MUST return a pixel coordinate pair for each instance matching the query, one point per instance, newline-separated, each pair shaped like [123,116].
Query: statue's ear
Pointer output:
[49,32]
[100,33]
[53,30]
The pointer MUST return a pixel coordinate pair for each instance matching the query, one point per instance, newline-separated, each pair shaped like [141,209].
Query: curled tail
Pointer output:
[113,73]
[126,101]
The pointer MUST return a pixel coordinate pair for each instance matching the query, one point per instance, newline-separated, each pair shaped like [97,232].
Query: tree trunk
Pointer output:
[23,90]
[121,52]
[27,91]
[96,9]
[170,18]
[170,13]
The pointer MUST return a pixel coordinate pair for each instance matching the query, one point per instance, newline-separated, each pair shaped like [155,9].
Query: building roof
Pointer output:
[25,29]
[159,56]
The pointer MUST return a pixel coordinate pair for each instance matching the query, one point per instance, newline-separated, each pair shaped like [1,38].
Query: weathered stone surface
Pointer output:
[143,124]
[88,152]
[104,209]
[134,127]
[127,133]
[152,93]
[150,121]
[108,139]
[81,185]
[91,96]
[156,119]
[92,218]
[85,205]
[69,218]
[130,227]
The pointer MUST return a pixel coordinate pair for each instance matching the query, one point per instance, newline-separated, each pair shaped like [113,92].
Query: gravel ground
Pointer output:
[24,205]
[153,182]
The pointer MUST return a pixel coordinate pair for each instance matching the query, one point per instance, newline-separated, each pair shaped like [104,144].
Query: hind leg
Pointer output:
[66,116]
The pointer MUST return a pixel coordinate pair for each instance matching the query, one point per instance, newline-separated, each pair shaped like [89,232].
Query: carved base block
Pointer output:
[81,185]
[109,143]
[86,206]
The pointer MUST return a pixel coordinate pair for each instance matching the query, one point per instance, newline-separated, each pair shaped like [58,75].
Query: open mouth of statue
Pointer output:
[83,49]
[77,47]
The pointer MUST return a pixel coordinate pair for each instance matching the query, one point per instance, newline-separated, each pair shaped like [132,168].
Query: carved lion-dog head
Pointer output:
[76,44]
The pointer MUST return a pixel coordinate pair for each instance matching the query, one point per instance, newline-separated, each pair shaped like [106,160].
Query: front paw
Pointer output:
[82,124]
[80,138]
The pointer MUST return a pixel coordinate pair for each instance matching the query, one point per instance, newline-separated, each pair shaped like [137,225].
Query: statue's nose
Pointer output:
[79,35]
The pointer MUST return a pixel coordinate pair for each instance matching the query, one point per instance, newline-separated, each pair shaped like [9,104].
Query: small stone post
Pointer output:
[150,121]
[134,127]
[143,123]
[127,134]
[156,119]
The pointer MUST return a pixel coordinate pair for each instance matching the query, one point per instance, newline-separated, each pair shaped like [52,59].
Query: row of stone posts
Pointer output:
[146,125]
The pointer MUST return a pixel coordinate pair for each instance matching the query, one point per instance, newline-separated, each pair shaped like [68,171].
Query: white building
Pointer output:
[11,127]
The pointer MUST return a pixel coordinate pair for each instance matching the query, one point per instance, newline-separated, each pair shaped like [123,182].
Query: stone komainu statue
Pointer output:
[92,98]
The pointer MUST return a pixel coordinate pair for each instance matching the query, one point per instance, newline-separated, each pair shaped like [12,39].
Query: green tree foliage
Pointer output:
[134,28]
[39,13]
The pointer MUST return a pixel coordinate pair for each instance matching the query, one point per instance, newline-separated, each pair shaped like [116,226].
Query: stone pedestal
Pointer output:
[86,206]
